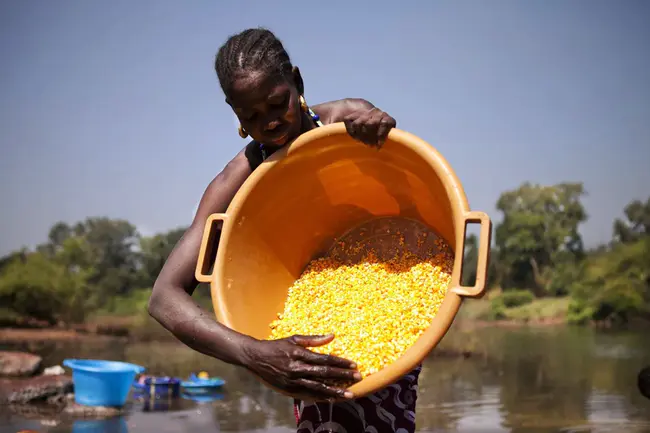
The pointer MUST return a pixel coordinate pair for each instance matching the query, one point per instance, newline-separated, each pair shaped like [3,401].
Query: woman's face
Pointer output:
[268,107]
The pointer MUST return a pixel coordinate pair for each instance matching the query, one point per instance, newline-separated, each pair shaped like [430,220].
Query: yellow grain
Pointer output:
[376,309]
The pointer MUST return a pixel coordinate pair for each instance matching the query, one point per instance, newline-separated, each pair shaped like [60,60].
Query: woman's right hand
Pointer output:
[287,364]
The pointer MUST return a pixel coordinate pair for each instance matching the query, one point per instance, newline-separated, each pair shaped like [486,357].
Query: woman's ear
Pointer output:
[297,79]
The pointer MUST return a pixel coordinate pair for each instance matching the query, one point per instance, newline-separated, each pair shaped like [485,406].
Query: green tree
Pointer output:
[539,230]
[59,233]
[112,246]
[613,286]
[95,263]
[46,287]
[9,258]
[109,246]
[613,283]
[636,223]
[154,252]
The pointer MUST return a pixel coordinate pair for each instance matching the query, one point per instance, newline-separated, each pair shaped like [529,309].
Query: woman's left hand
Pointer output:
[370,126]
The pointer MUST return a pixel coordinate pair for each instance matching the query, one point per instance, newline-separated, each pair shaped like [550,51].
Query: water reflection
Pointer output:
[114,425]
[204,398]
[546,380]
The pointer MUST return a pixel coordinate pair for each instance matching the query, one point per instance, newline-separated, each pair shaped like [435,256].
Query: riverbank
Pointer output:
[13,335]
[570,377]
[462,347]
[489,311]
[139,326]
[462,341]
[133,328]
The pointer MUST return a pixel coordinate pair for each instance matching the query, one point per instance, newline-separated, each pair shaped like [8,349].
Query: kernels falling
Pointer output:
[375,309]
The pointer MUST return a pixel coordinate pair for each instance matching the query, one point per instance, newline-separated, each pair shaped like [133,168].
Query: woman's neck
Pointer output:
[306,122]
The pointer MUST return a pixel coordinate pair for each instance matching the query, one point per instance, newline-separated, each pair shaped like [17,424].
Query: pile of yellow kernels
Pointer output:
[376,310]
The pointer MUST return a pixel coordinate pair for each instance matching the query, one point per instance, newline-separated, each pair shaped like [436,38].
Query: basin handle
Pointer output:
[485,238]
[207,253]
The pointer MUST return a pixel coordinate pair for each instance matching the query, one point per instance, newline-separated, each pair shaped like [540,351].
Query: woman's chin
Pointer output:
[280,141]
[283,141]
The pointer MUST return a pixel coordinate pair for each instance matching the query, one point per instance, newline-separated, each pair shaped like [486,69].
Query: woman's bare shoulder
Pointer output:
[221,190]
[335,111]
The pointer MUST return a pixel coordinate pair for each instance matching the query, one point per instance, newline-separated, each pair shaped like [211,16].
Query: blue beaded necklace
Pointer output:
[315,117]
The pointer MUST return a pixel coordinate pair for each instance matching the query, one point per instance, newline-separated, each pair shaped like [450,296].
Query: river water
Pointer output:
[551,379]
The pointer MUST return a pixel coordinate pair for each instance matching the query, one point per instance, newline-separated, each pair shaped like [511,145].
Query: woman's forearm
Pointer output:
[192,325]
[171,303]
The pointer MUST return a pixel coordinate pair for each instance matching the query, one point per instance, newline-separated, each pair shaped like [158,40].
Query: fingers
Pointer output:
[370,127]
[322,391]
[356,125]
[361,127]
[386,123]
[323,373]
[318,358]
[288,364]
[311,340]
[328,360]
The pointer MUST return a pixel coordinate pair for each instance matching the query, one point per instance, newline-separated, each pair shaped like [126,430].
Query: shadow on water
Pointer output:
[533,379]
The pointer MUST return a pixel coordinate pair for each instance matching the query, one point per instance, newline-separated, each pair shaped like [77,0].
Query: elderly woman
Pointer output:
[266,92]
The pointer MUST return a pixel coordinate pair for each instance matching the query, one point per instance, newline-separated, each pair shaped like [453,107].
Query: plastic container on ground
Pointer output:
[196,385]
[318,188]
[100,382]
[158,387]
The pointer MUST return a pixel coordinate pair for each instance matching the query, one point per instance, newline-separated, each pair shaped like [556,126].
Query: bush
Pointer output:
[563,276]
[131,304]
[516,298]
[614,285]
[497,309]
[579,313]
[37,287]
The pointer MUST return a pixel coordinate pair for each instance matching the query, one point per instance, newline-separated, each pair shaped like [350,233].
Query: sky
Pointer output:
[114,109]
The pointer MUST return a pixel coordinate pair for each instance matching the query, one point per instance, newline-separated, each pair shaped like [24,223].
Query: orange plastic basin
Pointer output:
[314,190]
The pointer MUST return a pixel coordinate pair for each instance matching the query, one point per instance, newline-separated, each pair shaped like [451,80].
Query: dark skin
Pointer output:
[269,110]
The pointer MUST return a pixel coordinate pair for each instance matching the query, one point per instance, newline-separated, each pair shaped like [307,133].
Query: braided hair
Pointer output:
[251,50]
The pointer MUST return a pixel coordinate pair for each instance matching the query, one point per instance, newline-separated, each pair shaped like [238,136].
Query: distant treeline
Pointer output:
[538,252]
[82,268]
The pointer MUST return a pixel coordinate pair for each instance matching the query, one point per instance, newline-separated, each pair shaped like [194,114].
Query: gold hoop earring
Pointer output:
[242,132]
[303,104]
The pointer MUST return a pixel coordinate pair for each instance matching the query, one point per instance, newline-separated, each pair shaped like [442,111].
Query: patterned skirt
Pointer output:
[391,410]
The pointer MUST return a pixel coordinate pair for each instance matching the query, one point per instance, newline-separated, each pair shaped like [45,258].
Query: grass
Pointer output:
[474,310]
[539,311]
[133,304]
[477,309]
[128,316]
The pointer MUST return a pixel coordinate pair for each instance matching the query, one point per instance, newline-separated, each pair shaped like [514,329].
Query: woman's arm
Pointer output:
[363,121]
[287,363]
[171,303]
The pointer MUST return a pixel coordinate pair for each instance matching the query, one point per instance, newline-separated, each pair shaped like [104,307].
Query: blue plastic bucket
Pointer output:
[102,383]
